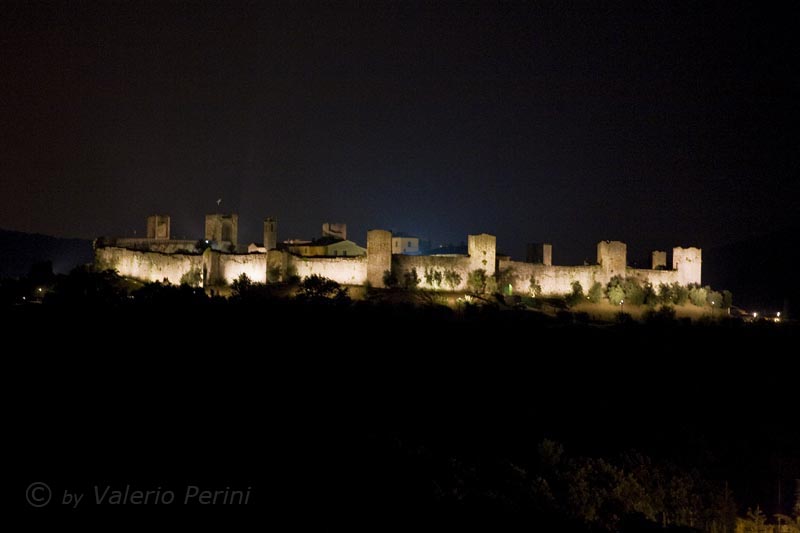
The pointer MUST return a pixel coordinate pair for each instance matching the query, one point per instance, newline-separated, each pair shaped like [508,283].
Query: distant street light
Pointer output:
[621,306]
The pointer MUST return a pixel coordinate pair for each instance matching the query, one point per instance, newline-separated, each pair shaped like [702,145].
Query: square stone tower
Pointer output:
[379,255]
[222,229]
[613,257]
[482,250]
[270,233]
[158,227]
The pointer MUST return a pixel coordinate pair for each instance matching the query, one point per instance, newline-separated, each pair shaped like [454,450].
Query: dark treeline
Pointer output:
[371,413]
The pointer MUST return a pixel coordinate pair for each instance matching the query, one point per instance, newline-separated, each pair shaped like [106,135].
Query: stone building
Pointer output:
[158,258]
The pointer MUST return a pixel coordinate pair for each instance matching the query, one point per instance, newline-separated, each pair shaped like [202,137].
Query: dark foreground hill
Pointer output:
[370,417]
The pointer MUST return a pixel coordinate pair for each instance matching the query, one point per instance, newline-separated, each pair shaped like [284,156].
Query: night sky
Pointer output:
[671,123]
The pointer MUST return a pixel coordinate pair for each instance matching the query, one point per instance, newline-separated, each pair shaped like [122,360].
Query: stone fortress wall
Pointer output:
[223,268]
[611,261]
[215,266]
[147,266]
[344,270]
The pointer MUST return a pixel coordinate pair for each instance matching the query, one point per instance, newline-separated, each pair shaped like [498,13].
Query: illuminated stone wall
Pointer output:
[482,255]
[655,277]
[345,270]
[277,263]
[231,266]
[217,268]
[153,266]
[147,266]
[557,280]
[552,279]
[433,263]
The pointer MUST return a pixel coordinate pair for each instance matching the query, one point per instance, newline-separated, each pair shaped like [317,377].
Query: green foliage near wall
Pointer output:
[727,302]
[428,275]
[664,293]
[507,277]
[241,285]
[410,279]
[452,279]
[676,294]
[713,298]
[615,291]
[651,297]
[476,281]
[534,287]
[698,295]
[596,292]
[630,291]
[634,293]
[291,274]
[680,294]
[192,277]
[480,283]
[390,279]
[274,273]
[576,296]
[491,285]
[318,289]
[433,278]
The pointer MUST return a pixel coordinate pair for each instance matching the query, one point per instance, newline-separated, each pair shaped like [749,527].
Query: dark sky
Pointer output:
[657,124]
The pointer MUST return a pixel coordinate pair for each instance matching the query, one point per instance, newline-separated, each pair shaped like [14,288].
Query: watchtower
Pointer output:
[222,229]
[270,233]
[158,227]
